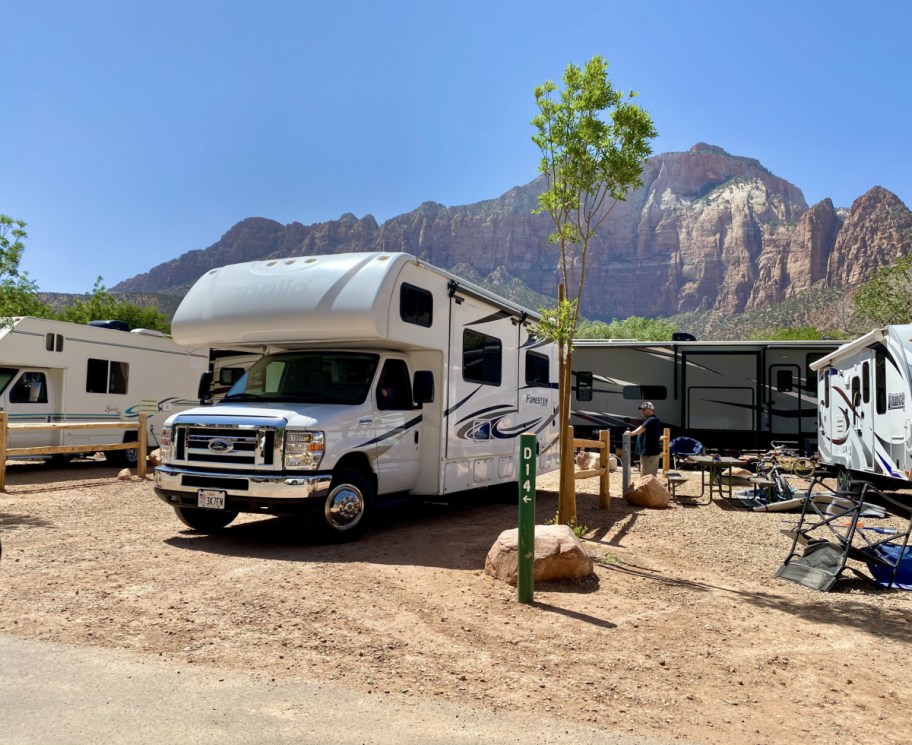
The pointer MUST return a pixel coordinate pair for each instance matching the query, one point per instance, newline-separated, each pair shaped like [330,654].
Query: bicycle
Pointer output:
[786,459]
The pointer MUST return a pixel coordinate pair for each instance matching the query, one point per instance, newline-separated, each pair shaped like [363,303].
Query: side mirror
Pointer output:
[203,393]
[584,386]
[423,387]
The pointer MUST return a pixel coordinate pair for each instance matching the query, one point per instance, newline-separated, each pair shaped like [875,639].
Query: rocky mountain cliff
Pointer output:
[706,231]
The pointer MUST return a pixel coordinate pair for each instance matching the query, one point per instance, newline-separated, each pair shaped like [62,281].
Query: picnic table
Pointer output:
[712,472]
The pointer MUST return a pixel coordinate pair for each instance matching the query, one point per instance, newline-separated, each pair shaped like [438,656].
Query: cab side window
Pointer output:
[31,388]
[394,388]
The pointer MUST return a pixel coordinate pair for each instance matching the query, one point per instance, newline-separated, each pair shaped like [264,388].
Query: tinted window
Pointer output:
[481,358]
[645,392]
[31,388]
[416,305]
[103,376]
[537,369]
[784,380]
[584,386]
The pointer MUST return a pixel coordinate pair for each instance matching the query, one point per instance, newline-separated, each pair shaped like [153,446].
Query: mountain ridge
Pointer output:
[707,231]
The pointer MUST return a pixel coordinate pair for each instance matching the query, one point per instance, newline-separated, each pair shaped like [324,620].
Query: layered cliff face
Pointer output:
[706,231]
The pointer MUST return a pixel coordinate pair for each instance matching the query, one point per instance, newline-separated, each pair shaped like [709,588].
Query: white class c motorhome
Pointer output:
[378,374]
[54,371]
[865,412]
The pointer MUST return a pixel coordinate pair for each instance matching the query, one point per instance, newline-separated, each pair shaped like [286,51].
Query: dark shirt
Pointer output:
[648,441]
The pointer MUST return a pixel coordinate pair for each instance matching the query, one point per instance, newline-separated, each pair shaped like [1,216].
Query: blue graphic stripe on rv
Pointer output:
[499,408]
[394,431]
[459,404]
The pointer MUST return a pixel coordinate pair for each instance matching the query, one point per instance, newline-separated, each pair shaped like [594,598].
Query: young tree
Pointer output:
[594,141]
[18,293]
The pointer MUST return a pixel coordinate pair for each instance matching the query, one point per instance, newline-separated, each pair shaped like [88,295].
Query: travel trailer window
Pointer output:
[105,376]
[584,386]
[784,381]
[826,388]
[537,369]
[31,388]
[880,380]
[308,377]
[645,392]
[856,391]
[416,305]
[53,342]
[394,389]
[481,358]
[6,375]
[866,382]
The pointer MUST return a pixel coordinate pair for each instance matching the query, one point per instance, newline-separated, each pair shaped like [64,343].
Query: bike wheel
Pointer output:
[803,467]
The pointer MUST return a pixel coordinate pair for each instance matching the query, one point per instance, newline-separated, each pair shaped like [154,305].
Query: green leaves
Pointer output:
[887,298]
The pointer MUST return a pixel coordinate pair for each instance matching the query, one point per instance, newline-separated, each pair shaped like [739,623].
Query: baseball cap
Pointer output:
[647,405]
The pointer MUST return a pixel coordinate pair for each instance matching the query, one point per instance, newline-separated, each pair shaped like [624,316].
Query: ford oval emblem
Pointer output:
[219,445]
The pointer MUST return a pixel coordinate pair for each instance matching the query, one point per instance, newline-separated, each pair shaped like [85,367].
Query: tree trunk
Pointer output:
[566,502]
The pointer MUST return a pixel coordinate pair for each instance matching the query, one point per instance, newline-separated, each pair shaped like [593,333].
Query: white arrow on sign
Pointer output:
[527,499]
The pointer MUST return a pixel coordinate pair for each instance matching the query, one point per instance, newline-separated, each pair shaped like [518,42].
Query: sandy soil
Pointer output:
[683,632]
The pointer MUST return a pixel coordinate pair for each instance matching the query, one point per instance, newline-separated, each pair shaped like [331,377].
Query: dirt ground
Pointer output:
[684,632]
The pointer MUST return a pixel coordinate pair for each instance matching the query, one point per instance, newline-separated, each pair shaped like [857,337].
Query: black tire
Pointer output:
[205,521]
[803,467]
[347,508]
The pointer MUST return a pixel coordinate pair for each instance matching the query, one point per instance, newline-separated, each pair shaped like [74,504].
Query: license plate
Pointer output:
[211,499]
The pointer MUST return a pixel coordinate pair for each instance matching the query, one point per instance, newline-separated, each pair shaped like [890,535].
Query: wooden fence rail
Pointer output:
[140,445]
[604,467]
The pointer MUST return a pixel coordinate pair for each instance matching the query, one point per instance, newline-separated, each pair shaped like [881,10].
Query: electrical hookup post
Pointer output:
[526,541]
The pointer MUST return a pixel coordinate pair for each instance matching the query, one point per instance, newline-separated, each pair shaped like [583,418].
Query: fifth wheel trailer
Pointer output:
[729,395]
[865,424]
[53,371]
[377,375]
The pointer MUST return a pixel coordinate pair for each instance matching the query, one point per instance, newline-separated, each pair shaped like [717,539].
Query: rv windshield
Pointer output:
[6,375]
[307,377]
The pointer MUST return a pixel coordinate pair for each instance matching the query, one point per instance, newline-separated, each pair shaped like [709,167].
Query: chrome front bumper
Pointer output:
[178,482]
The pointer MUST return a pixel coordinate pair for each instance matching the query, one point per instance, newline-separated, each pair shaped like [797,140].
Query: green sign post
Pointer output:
[526,547]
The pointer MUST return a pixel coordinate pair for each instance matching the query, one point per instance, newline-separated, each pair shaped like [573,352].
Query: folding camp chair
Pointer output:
[683,447]
[830,535]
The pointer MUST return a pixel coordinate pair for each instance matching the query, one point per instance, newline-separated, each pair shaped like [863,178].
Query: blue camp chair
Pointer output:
[683,447]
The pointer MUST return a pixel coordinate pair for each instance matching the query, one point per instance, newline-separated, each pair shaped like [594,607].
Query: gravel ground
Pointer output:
[684,632]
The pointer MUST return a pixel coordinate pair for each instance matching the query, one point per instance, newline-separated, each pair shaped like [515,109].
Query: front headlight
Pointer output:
[164,443]
[303,450]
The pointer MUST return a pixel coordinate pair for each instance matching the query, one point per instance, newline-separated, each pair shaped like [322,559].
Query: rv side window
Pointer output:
[826,388]
[647,392]
[784,381]
[880,380]
[584,386]
[537,369]
[31,388]
[103,376]
[866,382]
[53,342]
[481,358]
[416,305]
[856,391]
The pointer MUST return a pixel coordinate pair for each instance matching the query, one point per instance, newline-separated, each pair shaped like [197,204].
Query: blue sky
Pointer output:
[135,132]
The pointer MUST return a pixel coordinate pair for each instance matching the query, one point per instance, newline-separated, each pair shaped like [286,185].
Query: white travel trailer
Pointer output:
[730,395]
[865,421]
[378,375]
[53,371]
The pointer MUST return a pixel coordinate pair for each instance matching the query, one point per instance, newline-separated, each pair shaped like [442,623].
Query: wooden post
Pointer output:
[666,450]
[142,448]
[4,435]
[605,465]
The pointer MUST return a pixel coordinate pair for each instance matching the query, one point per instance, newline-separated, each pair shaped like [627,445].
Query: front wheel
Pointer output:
[205,521]
[347,506]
